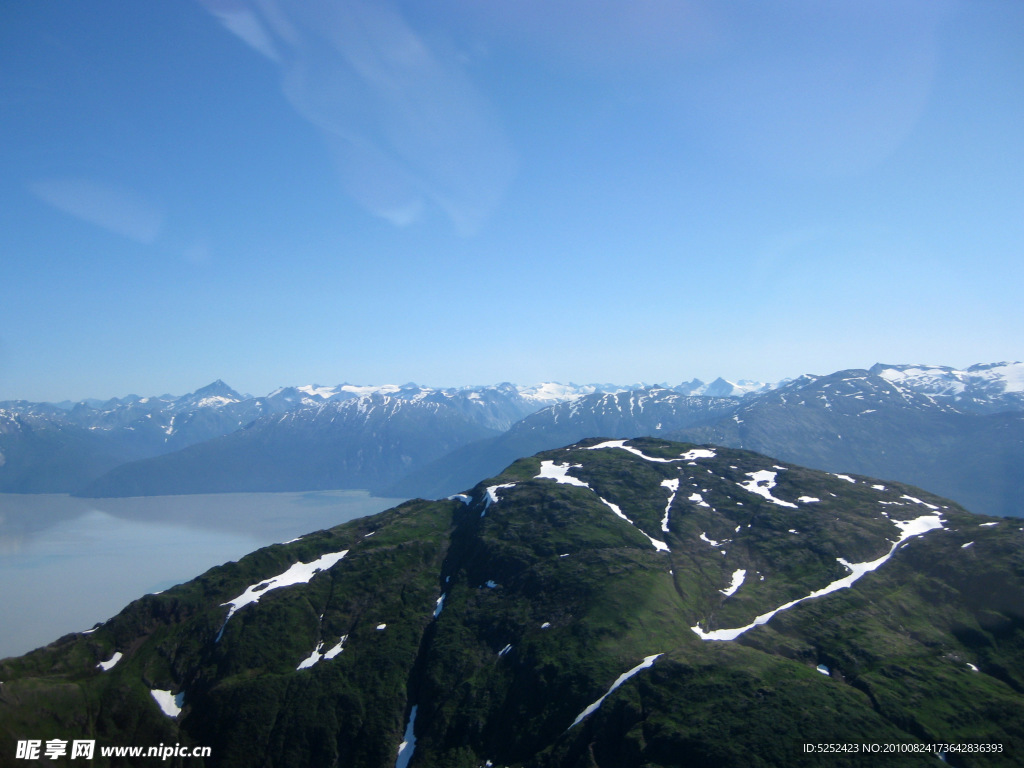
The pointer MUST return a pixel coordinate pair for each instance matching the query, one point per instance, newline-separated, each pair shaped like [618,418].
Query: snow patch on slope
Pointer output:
[109,664]
[549,470]
[761,483]
[737,580]
[299,573]
[691,455]
[170,703]
[907,528]
[492,495]
[647,662]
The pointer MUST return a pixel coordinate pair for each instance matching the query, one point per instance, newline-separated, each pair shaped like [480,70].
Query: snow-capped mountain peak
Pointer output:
[724,388]
[212,395]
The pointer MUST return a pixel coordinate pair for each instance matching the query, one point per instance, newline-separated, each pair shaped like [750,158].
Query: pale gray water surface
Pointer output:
[68,563]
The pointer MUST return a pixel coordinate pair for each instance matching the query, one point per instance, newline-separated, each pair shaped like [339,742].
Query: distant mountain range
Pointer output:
[958,432]
[66,447]
[636,603]
[885,423]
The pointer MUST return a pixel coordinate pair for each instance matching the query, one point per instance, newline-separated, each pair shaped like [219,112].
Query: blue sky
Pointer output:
[463,192]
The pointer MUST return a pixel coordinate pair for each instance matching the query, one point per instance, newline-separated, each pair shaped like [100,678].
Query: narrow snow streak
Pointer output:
[712,542]
[918,501]
[408,745]
[549,470]
[673,487]
[647,662]
[658,544]
[907,528]
[440,605]
[492,495]
[299,573]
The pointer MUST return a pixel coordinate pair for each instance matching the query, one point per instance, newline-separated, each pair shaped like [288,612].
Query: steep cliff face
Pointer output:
[625,603]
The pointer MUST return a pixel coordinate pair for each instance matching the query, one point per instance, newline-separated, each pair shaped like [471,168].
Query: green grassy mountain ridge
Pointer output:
[613,603]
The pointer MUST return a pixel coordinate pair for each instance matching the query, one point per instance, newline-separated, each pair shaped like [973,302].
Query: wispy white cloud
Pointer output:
[243,22]
[115,208]
[404,122]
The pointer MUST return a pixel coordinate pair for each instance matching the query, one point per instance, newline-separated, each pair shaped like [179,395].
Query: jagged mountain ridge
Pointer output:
[366,441]
[272,463]
[650,411]
[617,602]
[976,463]
[104,435]
[859,421]
[849,421]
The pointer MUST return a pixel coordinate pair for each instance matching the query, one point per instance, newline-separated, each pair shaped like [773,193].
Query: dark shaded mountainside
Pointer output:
[216,440]
[614,603]
[352,444]
[399,446]
[40,455]
[46,448]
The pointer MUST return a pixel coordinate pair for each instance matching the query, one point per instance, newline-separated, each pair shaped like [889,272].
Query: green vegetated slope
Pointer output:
[501,619]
